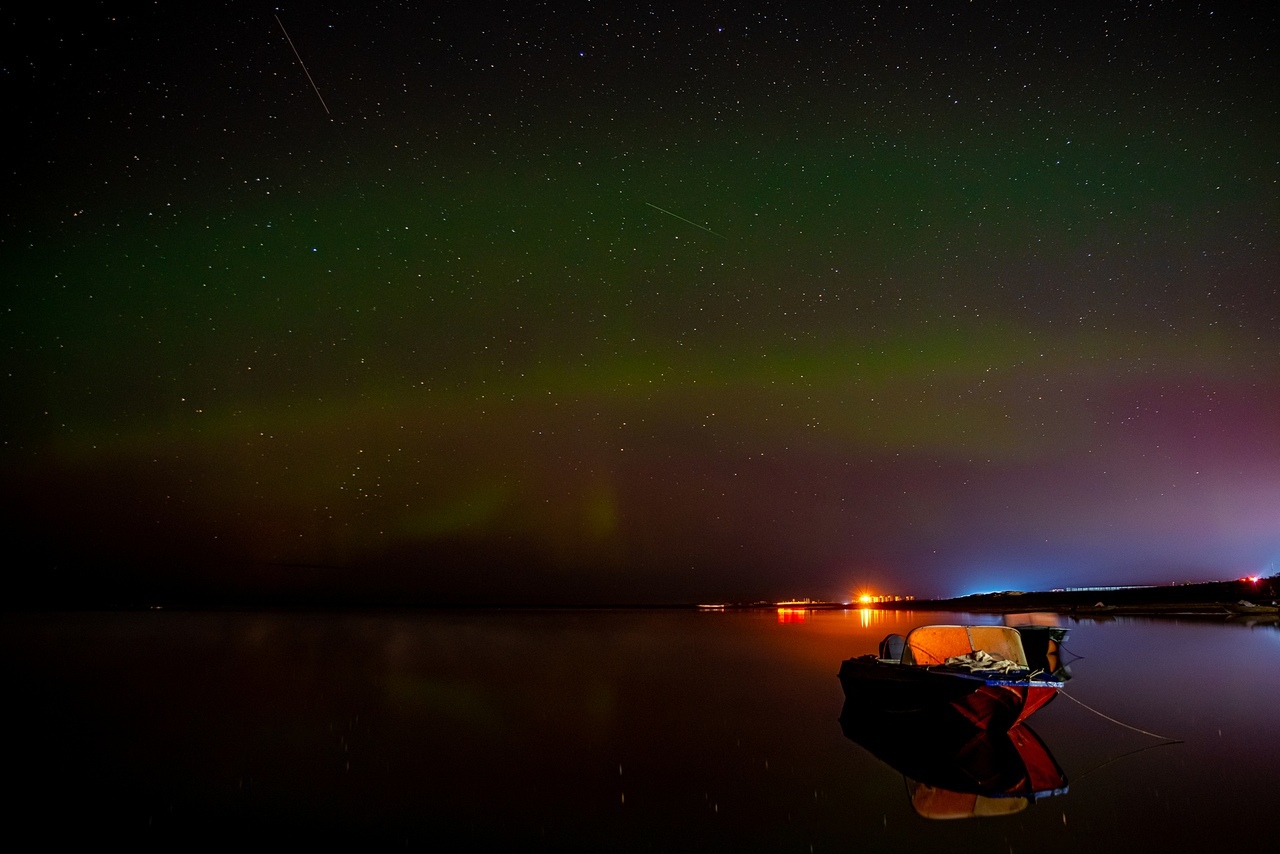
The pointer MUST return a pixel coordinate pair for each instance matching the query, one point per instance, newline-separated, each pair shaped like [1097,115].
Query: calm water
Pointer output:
[597,730]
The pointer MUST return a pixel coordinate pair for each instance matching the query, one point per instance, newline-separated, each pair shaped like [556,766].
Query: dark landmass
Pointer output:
[1258,597]
[1220,598]
[307,587]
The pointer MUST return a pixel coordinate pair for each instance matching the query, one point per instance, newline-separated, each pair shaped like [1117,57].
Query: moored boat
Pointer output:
[979,673]
[1245,607]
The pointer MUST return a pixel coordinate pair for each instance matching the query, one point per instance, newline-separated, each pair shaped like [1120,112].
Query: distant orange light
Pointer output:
[865,599]
[1252,579]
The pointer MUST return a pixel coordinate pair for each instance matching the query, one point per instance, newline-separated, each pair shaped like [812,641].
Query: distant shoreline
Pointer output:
[1215,598]
[1242,597]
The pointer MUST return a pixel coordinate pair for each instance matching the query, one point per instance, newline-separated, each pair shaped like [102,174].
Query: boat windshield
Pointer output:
[931,645]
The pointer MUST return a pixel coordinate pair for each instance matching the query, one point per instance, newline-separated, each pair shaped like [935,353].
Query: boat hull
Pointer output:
[984,702]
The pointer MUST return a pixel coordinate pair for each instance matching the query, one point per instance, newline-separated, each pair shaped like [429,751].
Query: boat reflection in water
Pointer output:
[954,770]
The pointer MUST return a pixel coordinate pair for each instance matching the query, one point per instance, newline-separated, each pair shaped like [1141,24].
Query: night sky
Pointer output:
[625,302]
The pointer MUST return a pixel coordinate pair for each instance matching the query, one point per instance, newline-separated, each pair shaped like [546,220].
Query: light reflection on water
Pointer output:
[598,730]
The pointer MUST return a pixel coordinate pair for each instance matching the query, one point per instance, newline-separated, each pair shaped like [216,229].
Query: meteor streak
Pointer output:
[691,222]
[303,64]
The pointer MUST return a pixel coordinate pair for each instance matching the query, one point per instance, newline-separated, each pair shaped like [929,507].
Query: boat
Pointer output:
[954,771]
[979,673]
[1245,607]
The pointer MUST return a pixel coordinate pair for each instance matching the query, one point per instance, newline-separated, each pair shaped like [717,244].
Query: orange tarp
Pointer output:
[935,644]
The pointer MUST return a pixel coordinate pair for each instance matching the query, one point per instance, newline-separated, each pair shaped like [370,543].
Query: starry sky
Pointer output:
[633,302]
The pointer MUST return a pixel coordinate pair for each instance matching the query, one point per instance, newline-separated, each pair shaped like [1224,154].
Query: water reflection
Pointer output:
[608,730]
[953,770]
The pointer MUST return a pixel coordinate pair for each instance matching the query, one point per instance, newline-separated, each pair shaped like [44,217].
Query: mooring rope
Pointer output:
[1075,656]
[1121,723]
[1107,762]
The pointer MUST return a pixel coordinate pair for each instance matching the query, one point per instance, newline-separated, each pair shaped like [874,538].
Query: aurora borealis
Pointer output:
[632,303]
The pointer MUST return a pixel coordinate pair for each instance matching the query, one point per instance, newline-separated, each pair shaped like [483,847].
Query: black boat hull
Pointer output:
[985,703]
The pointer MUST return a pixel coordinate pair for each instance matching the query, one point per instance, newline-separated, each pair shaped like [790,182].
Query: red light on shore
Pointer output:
[1252,579]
